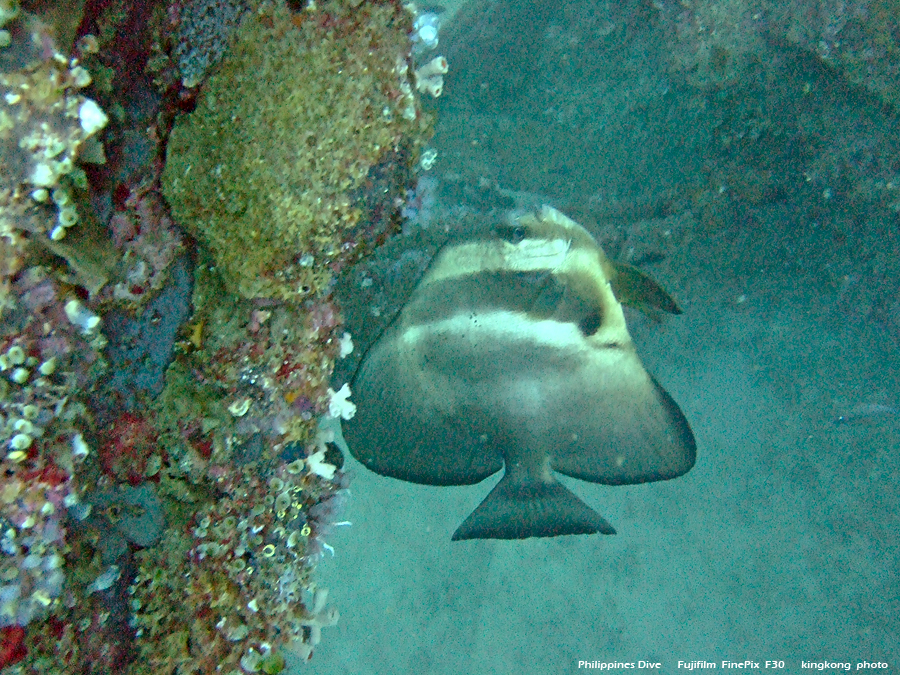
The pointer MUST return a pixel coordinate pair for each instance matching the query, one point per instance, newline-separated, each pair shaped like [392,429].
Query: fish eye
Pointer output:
[512,233]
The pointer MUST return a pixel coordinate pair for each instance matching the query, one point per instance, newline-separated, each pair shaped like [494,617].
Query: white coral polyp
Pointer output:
[92,118]
[340,405]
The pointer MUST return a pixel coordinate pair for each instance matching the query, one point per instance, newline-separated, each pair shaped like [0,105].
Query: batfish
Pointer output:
[502,346]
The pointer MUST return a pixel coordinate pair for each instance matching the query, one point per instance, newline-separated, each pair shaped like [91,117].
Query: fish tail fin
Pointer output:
[533,508]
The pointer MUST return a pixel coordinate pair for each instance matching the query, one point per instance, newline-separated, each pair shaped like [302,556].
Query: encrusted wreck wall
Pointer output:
[180,182]
[269,169]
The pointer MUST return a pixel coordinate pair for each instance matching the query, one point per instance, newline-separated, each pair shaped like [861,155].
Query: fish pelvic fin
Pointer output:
[518,509]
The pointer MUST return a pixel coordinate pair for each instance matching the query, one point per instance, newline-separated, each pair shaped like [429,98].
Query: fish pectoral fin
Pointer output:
[530,508]
[637,289]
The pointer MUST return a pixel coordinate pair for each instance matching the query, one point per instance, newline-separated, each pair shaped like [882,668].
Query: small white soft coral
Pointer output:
[340,405]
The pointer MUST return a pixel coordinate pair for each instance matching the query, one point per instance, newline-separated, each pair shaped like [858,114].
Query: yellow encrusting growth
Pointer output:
[267,171]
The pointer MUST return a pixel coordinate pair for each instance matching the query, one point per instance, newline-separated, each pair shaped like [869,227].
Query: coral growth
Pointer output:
[46,123]
[126,448]
[167,493]
[250,557]
[12,649]
[204,30]
[148,240]
[269,170]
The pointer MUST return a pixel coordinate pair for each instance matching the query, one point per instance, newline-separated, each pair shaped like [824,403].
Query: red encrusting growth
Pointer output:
[126,447]
[12,647]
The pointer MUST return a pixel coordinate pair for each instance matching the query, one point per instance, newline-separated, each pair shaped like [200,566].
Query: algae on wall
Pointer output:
[269,170]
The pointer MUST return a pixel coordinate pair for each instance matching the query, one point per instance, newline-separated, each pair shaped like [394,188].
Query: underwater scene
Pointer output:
[481,336]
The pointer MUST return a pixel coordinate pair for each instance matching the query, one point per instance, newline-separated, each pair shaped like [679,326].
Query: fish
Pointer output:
[501,346]
[867,412]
